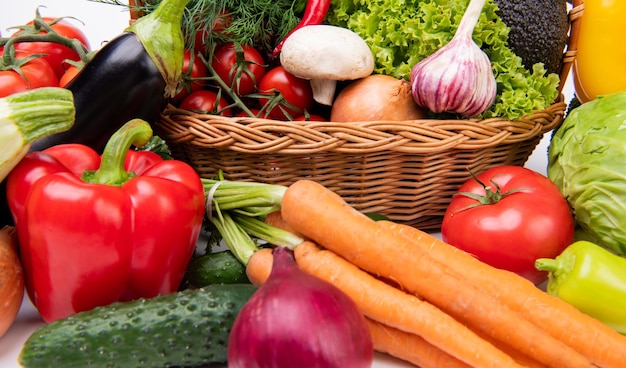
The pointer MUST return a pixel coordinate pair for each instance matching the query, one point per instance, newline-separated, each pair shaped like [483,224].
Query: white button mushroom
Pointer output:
[325,54]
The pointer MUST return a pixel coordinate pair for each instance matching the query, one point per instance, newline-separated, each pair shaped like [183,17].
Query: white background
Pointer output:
[101,22]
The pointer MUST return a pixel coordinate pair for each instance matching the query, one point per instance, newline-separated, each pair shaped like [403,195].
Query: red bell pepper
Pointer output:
[98,229]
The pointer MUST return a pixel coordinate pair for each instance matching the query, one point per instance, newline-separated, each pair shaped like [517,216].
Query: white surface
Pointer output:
[101,22]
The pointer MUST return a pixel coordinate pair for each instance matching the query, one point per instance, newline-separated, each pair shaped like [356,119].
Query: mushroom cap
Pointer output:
[326,52]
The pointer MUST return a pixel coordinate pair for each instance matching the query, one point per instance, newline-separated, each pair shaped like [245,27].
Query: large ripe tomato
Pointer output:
[206,101]
[244,71]
[296,91]
[192,77]
[525,217]
[55,53]
[36,73]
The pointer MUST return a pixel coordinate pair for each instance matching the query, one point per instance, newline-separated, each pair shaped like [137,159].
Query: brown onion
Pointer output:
[376,97]
[11,278]
[299,320]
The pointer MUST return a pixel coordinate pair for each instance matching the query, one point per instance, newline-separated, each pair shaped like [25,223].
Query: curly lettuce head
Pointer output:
[401,33]
[587,160]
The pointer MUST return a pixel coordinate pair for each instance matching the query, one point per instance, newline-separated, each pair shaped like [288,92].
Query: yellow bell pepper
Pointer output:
[600,65]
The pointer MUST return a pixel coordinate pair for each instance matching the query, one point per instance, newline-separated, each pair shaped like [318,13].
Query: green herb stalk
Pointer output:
[237,209]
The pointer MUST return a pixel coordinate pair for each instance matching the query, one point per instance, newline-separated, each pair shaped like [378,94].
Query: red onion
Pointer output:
[296,320]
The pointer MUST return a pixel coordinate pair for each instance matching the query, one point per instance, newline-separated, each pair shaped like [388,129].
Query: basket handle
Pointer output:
[569,56]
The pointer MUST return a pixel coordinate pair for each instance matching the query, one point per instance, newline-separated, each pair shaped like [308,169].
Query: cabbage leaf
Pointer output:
[586,160]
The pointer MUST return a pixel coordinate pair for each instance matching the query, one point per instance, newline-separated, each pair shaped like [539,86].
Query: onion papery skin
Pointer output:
[297,320]
[375,98]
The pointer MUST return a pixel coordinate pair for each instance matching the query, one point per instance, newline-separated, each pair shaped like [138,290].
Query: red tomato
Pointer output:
[202,36]
[243,75]
[70,72]
[38,73]
[191,77]
[206,101]
[296,91]
[56,53]
[531,220]
[310,117]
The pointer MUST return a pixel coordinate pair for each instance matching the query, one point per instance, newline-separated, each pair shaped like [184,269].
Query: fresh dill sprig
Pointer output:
[262,23]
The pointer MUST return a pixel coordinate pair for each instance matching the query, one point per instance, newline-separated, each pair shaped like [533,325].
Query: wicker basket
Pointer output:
[405,170]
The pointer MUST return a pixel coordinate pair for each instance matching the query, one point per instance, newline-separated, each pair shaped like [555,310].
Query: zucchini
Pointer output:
[28,116]
[216,268]
[186,328]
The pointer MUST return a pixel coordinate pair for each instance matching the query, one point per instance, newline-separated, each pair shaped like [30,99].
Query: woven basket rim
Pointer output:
[259,136]
[538,122]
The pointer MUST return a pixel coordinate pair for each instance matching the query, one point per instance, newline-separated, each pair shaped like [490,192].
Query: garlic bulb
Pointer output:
[458,77]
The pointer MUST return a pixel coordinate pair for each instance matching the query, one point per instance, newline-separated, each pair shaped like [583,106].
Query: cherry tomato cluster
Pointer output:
[238,80]
[37,64]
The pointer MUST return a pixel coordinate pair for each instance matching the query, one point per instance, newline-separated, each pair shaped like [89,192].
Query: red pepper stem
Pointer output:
[136,132]
[314,13]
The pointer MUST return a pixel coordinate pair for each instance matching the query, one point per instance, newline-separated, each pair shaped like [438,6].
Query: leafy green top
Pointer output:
[254,22]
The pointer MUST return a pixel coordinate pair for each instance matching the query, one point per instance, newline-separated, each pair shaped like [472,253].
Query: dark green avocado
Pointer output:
[539,30]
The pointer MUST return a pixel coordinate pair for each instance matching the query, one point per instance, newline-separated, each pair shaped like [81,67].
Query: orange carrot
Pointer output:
[409,347]
[419,316]
[276,219]
[259,266]
[395,308]
[323,216]
[518,356]
[599,343]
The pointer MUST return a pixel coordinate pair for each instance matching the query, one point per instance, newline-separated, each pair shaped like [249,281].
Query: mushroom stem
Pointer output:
[325,54]
[324,90]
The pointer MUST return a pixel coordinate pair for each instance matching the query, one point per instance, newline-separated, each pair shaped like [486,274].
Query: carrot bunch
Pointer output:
[429,303]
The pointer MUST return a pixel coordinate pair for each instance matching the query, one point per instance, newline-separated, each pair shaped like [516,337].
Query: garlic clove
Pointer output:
[458,77]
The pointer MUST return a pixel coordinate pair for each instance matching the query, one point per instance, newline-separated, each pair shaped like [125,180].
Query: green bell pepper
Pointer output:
[592,279]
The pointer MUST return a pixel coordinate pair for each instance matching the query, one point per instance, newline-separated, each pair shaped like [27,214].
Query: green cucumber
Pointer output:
[187,328]
[216,268]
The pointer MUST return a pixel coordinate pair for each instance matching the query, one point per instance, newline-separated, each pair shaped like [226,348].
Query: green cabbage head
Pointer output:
[587,160]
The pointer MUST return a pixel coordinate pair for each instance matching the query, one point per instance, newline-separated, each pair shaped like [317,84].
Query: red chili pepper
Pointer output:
[98,229]
[314,13]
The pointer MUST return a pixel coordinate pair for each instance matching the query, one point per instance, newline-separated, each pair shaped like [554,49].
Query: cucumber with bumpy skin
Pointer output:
[216,268]
[187,328]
